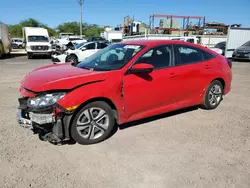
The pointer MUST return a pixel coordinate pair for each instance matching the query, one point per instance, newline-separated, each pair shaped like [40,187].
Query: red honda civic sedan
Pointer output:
[123,82]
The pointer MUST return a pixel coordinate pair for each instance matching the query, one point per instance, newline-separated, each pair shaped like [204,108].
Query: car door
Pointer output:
[145,92]
[190,66]
[87,50]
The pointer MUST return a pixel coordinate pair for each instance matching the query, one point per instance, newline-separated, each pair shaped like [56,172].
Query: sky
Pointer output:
[112,12]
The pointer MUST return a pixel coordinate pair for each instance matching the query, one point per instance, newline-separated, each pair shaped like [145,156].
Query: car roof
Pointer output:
[152,43]
[155,42]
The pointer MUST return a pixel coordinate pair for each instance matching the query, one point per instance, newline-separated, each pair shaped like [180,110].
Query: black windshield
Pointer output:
[113,57]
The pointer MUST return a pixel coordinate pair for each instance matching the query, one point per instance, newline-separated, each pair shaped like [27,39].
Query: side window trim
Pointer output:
[188,46]
[172,56]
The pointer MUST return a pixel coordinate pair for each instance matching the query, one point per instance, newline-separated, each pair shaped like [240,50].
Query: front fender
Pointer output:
[78,96]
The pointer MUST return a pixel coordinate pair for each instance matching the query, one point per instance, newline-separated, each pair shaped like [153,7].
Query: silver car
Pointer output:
[242,52]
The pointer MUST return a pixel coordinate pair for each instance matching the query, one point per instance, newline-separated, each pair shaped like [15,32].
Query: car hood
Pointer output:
[244,48]
[60,77]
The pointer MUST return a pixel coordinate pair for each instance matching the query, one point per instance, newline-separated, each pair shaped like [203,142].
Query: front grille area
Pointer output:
[39,48]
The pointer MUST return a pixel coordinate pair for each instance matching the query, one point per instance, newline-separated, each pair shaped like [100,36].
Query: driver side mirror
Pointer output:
[84,48]
[141,68]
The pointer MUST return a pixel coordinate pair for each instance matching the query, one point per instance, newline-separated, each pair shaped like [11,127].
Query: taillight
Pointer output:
[229,62]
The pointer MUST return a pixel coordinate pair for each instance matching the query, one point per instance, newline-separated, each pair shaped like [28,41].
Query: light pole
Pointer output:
[80,3]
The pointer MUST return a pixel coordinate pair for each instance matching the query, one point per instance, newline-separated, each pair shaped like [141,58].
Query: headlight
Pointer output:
[44,100]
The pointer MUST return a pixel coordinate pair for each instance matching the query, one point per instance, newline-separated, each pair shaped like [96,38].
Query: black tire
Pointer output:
[211,98]
[72,58]
[91,128]
[29,55]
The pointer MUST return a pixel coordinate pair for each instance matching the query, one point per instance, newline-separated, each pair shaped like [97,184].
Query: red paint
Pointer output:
[145,95]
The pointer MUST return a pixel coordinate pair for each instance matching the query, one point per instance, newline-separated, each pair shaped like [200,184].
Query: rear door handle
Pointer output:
[208,67]
[172,75]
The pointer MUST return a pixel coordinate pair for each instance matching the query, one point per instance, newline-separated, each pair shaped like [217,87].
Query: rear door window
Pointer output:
[188,55]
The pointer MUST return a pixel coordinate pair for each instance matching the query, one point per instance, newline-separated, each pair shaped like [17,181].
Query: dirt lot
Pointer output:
[195,148]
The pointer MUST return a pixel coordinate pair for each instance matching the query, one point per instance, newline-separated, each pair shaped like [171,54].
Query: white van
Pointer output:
[37,41]
[187,39]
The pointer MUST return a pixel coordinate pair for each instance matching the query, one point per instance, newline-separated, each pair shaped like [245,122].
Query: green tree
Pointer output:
[16,30]
[67,27]
[74,27]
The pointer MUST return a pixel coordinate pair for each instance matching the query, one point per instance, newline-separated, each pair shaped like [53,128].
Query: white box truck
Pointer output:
[113,36]
[5,42]
[37,41]
[236,37]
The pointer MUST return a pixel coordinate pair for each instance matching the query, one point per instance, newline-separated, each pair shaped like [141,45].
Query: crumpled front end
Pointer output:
[41,114]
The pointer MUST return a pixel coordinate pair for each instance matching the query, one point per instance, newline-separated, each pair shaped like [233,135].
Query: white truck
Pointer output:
[5,42]
[113,36]
[37,41]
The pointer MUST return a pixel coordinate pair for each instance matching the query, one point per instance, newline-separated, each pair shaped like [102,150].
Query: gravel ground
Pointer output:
[196,148]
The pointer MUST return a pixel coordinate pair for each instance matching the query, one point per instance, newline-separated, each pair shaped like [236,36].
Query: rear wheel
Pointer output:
[93,123]
[72,58]
[213,95]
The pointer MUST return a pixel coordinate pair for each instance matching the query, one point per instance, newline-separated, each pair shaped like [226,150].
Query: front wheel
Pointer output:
[213,95]
[93,123]
[72,58]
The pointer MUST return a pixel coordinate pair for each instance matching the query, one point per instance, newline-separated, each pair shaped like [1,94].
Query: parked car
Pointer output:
[17,41]
[242,52]
[14,45]
[220,48]
[121,83]
[63,44]
[78,54]
[76,39]
[187,39]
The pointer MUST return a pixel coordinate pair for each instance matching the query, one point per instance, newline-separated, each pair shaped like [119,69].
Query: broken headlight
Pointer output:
[44,100]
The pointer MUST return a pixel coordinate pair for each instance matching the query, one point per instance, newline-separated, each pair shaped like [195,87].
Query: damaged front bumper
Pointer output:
[26,123]
[51,123]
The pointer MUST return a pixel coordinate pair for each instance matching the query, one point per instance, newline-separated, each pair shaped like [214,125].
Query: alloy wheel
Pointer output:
[215,95]
[72,59]
[92,123]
